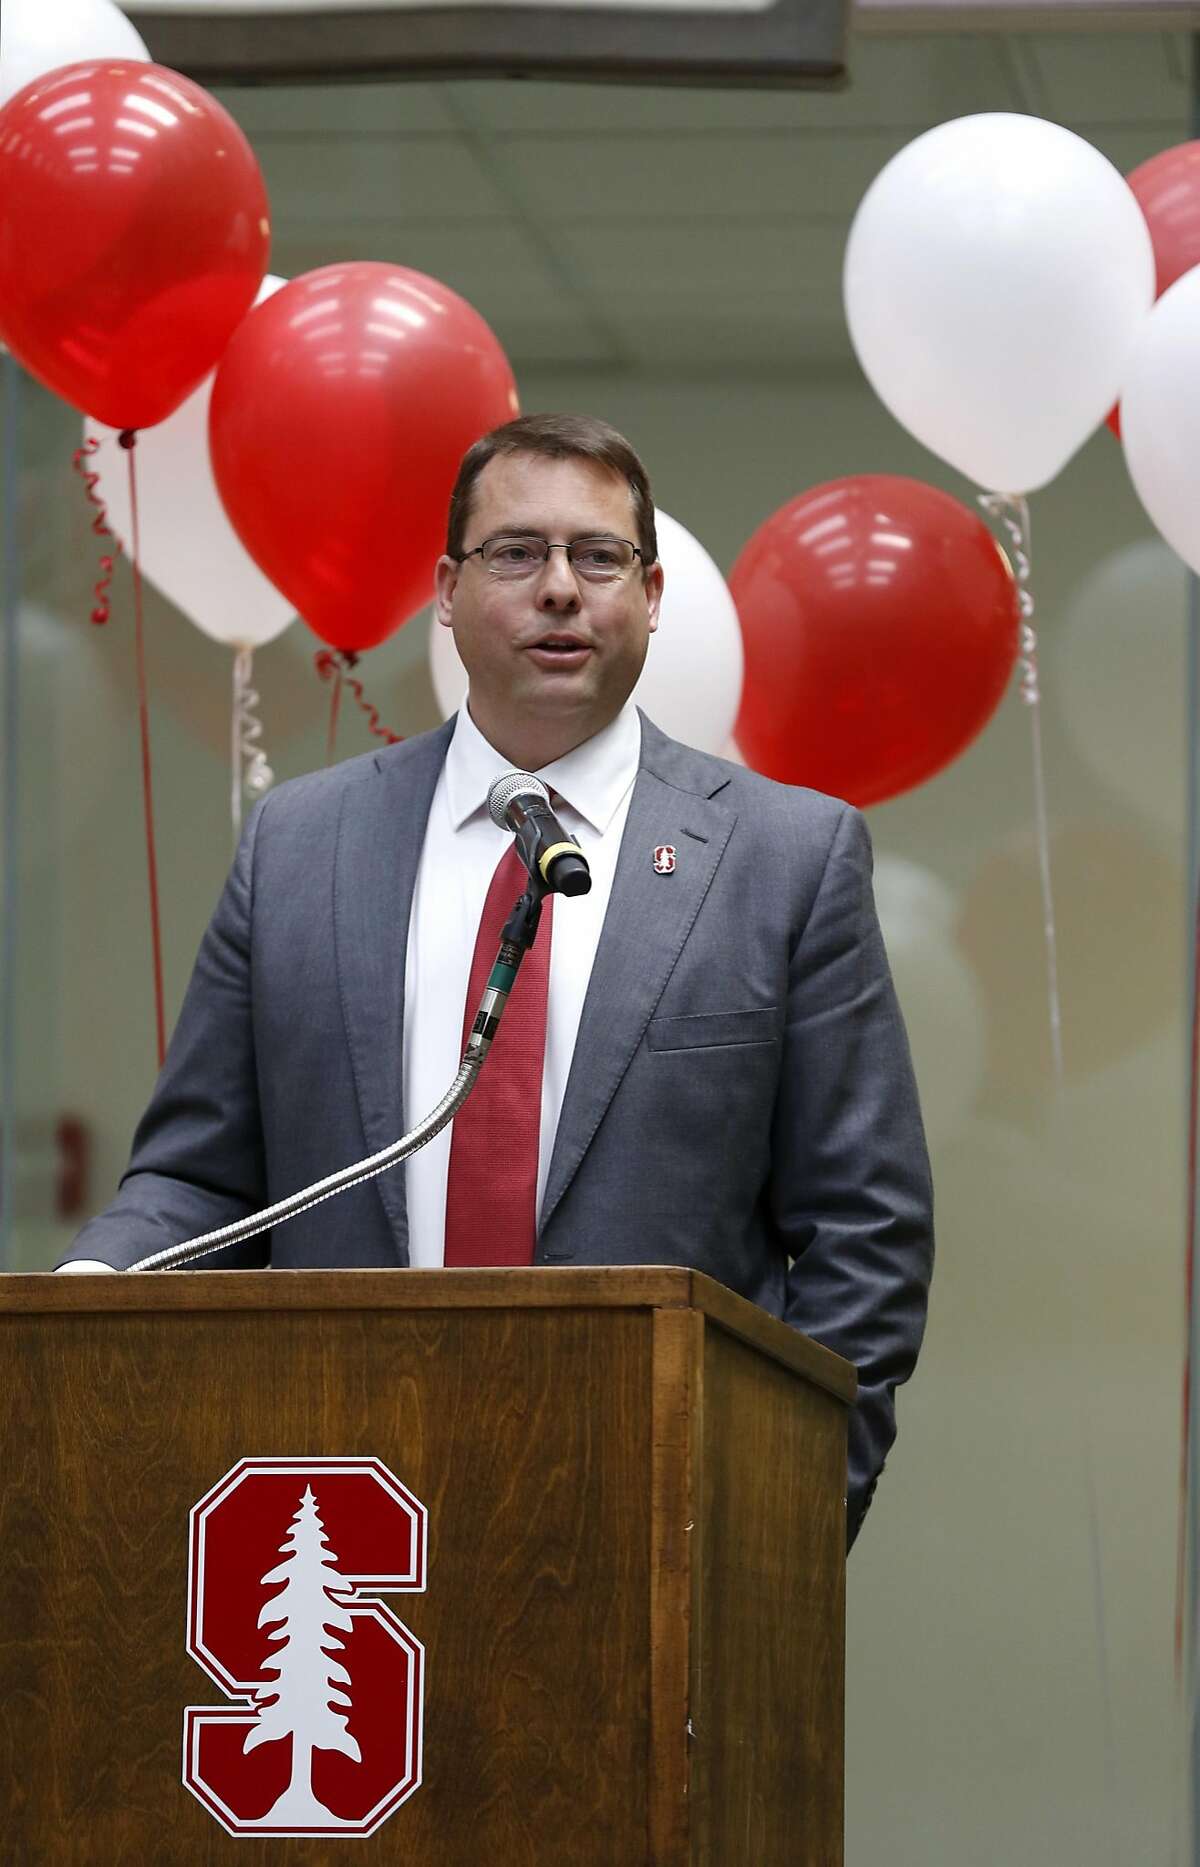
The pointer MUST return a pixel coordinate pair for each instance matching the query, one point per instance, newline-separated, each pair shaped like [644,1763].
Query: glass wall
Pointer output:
[670,260]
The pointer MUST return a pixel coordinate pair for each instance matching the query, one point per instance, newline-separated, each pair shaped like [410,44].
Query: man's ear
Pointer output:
[653,585]
[444,585]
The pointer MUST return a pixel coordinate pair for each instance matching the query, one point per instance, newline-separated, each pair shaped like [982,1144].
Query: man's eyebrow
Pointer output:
[515,529]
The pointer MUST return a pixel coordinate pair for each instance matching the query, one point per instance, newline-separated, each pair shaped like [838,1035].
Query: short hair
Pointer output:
[556,437]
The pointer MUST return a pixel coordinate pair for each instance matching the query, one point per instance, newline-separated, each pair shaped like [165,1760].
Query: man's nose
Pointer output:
[557,587]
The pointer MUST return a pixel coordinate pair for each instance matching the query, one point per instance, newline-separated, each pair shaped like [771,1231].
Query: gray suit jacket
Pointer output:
[741,1098]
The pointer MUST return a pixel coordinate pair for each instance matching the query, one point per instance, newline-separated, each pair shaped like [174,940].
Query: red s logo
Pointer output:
[324,1735]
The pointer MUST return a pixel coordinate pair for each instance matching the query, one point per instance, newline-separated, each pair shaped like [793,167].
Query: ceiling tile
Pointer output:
[597,225]
[738,342]
[496,267]
[909,82]
[726,264]
[351,179]
[743,294]
[338,109]
[645,177]
[1112,77]
[1126,148]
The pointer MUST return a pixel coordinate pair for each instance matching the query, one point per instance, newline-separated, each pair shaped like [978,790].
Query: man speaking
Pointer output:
[702,1062]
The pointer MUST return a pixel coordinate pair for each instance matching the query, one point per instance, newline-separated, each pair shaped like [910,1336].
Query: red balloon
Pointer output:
[880,620]
[1168,192]
[339,416]
[133,235]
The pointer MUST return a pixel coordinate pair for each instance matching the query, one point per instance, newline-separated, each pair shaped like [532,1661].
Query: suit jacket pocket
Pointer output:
[707,1029]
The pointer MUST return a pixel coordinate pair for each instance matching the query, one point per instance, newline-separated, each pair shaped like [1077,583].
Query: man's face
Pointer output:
[551,657]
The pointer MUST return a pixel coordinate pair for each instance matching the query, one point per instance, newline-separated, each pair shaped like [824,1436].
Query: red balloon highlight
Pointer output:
[134,233]
[339,416]
[880,620]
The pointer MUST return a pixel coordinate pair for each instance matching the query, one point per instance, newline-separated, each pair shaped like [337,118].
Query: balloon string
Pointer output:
[1013,514]
[335,665]
[128,440]
[101,605]
[330,669]
[251,771]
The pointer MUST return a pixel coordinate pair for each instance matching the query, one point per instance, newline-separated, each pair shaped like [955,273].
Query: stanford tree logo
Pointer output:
[323,1735]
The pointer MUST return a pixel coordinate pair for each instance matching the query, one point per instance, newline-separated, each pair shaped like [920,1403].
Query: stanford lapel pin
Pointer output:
[664,859]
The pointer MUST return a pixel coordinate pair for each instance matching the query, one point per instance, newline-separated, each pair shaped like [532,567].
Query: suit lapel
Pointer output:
[380,836]
[648,919]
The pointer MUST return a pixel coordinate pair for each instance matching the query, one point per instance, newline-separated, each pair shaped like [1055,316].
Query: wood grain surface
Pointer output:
[563,1287]
[768,1649]
[678,1352]
[606,1480]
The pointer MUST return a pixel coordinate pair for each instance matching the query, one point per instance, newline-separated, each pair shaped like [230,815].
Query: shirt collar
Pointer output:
[592,778]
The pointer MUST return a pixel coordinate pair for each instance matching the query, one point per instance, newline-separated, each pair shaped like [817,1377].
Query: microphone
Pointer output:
[519,802]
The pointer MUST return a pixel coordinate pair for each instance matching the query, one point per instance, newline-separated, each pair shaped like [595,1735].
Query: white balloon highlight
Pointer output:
[997,274]
[691,685]
[1160,417]
[38,35]
[189,549]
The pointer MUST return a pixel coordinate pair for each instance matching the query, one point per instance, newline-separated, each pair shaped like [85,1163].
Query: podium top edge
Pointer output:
[654,1287]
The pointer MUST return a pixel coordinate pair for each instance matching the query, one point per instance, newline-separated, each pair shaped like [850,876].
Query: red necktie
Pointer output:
[491,1189]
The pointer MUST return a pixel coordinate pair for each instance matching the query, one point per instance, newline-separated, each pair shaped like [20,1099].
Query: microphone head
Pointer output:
[506,787]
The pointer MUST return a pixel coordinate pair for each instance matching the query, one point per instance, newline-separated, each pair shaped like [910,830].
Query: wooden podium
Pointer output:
[619,1574]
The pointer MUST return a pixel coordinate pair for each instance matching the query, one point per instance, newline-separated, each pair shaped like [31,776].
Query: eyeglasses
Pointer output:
[598,560]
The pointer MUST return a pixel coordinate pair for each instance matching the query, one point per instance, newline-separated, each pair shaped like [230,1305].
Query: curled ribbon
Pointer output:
[251,771]
[102,607]
[335,665]
[1013,513]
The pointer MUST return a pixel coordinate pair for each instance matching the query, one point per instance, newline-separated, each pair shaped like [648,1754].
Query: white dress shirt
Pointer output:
[461,851]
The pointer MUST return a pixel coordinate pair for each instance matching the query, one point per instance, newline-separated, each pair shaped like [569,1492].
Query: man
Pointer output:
[724,1072]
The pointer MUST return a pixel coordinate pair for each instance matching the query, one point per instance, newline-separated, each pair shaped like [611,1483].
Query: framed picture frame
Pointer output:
[778,43]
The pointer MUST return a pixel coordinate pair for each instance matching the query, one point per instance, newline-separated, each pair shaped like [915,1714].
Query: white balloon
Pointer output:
[1160,417]
[691,684]
[189,549]
[1121,669]
[37,35]
[997,274]
[937,988]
